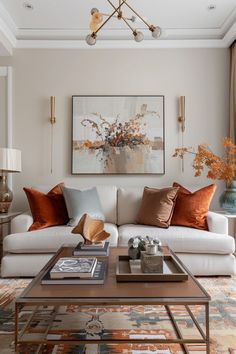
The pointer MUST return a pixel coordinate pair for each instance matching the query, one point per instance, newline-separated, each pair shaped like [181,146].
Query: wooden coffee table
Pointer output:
[187,294]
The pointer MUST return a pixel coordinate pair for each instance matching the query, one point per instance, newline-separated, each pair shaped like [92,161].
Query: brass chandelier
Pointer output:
[97,22]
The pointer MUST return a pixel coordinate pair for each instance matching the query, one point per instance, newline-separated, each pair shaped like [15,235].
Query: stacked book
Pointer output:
[76,270]
[101,249]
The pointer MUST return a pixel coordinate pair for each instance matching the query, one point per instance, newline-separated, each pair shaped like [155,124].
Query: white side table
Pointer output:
[5,219]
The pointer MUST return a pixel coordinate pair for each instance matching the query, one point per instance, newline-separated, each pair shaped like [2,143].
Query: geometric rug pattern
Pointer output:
[125,322]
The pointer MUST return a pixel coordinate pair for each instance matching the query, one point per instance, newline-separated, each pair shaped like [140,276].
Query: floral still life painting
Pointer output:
[118,135]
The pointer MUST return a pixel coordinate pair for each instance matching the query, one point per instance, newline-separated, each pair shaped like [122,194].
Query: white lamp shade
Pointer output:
[10,160]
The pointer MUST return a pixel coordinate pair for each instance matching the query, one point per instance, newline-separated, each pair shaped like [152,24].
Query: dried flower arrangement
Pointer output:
[117,134]
[221,168]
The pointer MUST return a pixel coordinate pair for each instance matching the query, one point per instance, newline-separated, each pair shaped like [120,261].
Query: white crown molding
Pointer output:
[6,17]
[6,48]
[230,36]
[120,34]
[171,38]
[119,44]
[8,32]
[228,23]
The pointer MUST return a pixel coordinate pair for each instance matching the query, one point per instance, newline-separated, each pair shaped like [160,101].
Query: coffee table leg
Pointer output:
[207,318]
[16,326]
[177,330]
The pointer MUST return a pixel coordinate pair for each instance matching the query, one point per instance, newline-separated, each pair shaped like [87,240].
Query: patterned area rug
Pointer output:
[125,322]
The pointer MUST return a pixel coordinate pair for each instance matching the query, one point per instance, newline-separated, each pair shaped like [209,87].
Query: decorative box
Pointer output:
[152,259]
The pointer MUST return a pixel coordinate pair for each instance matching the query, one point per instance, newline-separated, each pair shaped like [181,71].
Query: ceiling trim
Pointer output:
[11,37]
[229,21]
[7,33]
[75,34]
[230,36]
[8,21]
[119,44]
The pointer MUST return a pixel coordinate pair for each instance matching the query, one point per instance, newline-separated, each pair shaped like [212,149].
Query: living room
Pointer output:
[172,64]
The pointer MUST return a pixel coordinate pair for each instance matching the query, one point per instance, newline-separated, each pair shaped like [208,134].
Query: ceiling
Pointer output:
[65,23]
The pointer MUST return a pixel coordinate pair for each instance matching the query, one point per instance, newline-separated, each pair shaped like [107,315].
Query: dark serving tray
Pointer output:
[172,271]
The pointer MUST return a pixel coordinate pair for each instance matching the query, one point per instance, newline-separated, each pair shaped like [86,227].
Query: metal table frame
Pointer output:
[19,335]
[167,303]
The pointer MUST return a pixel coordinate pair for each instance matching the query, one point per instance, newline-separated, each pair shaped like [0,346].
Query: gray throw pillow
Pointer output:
[81,202]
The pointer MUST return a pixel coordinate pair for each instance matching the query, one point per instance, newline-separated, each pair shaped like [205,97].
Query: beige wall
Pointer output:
[202,75]
[3,115]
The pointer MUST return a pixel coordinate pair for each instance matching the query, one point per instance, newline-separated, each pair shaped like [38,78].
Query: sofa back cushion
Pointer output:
[128,204]
[108,199]
[107,195]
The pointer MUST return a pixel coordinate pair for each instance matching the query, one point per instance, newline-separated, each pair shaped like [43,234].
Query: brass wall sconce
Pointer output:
[52,105]
[52,121]
[181,120]
[181,117]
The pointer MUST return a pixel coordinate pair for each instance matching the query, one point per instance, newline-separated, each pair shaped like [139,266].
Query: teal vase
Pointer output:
[228,198]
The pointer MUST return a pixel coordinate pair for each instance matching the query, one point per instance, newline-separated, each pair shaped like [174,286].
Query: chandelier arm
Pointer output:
[113,13]
[132,29]
[107,15]
[142,19]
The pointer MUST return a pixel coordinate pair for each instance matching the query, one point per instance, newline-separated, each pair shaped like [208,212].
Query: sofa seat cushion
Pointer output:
[181,239]
[209,264]
[49,240]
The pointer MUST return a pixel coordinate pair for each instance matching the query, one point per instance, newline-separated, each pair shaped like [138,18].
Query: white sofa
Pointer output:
[204,252]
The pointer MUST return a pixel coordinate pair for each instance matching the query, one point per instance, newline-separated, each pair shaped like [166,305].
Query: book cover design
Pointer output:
[98,277]
[74,266]
[91,250]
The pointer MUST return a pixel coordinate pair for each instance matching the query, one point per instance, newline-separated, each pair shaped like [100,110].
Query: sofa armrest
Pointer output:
[21,223]
[217,223]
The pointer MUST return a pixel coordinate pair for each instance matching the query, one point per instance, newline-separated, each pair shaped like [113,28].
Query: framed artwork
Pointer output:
[118,135]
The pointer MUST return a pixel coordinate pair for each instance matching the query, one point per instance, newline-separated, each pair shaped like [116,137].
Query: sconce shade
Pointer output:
[10,160]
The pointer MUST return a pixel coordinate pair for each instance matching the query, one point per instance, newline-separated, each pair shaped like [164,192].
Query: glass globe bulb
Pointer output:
[156,32]
[94,10]
[90,39]
[138,36]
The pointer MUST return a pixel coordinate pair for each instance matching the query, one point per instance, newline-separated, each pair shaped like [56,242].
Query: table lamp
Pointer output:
[10,161]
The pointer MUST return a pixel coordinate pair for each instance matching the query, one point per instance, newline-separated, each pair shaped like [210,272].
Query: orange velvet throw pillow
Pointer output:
[47,209]
[191,209]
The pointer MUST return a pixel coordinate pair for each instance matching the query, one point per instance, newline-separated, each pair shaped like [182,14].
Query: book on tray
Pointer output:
[74,267]
[98,277]
[92,250]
